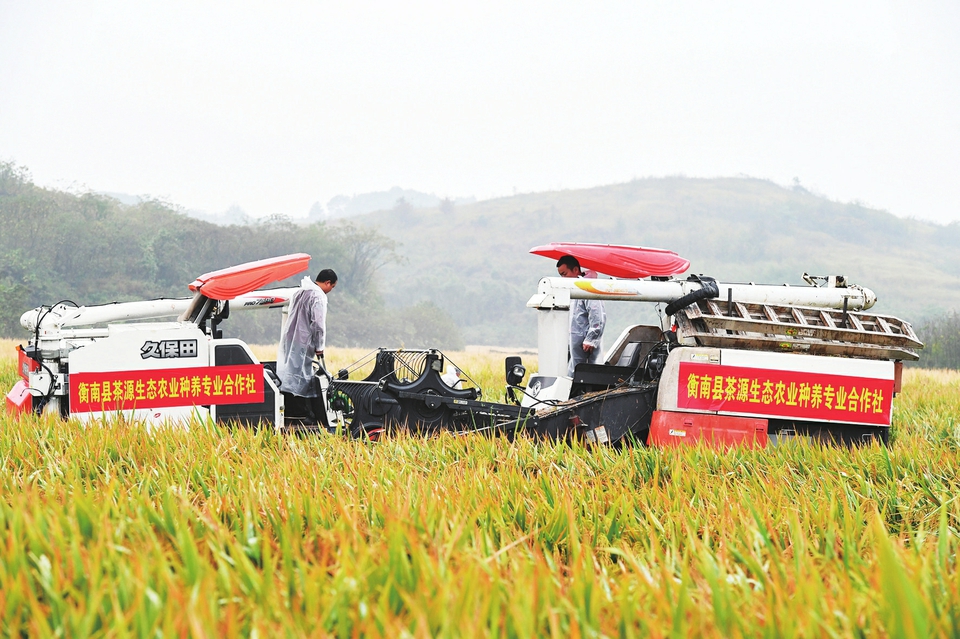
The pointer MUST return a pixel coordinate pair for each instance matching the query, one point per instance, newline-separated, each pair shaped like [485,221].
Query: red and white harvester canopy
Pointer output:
[628,262]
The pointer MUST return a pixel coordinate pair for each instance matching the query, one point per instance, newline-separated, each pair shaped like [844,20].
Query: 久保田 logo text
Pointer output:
[169,348]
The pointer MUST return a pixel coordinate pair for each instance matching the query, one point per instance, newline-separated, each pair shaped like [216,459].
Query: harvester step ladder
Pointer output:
[799,329]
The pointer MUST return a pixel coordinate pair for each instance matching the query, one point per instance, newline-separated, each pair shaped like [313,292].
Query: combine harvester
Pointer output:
[740,363]
[84,362]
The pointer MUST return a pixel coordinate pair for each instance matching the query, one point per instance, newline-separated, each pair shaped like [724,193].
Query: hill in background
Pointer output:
[340,206]
[461,272]
[93,249]
[472,260]
[349,206]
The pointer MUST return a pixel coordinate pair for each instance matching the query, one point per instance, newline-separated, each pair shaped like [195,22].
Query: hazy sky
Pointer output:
[275,105]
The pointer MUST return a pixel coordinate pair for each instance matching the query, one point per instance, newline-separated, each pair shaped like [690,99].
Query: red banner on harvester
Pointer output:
[126,390]
[782,393]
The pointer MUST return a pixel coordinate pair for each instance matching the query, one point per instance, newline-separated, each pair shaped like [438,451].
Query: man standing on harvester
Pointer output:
[587,320]
[304,335]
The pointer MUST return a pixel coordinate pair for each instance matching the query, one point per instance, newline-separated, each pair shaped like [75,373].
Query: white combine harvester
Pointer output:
[91,361]
[738,364]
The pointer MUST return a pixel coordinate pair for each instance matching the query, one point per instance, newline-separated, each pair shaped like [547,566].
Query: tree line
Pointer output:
[92,249]
[473,261]
[941,338]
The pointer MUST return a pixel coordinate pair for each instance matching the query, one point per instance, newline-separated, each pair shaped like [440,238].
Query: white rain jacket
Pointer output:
[587,320]
[304,334]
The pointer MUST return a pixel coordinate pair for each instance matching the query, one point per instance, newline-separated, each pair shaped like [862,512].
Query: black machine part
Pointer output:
[708,289]
[252,415]
[425,405]
[430,382]
[515,370]
[636,366]
[604,417]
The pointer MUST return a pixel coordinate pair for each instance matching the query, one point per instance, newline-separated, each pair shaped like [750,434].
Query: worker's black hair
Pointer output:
[569,261]
[327,275]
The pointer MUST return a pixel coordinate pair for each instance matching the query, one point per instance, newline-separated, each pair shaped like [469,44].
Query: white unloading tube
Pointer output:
[63,315]
[555,292]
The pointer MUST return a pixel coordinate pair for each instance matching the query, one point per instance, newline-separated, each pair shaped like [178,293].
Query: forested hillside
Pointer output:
[462,273]
[92,249]
[472,260]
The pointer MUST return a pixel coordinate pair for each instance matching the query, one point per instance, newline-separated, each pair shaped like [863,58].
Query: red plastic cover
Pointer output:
[618,261]
[25,365]
[19,399]
[228,283]
[668,428]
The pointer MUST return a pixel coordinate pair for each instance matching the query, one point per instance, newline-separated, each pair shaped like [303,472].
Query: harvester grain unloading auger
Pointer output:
[741,364]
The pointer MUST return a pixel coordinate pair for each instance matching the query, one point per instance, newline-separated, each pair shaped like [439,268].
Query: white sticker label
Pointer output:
[675,432]
[591,438]
[601,433]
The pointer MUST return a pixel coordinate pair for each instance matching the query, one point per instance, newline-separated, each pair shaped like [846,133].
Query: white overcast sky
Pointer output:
[275,105]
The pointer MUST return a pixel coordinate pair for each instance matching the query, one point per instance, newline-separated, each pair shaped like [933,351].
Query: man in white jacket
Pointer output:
[304,334]
[587,320]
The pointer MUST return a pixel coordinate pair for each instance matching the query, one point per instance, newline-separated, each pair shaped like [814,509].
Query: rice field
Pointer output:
[206,531]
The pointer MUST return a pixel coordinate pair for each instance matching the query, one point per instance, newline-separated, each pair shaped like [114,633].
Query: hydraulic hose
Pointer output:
[708,289]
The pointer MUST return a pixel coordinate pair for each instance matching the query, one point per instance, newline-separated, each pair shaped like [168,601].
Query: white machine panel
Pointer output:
[544,389]
[144,346]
